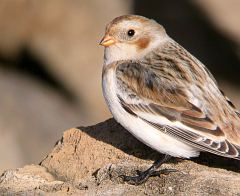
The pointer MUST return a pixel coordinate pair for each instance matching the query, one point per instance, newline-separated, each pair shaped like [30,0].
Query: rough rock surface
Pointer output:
[88,161]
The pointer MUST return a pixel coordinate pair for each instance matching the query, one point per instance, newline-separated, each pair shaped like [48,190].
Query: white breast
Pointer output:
[140,129]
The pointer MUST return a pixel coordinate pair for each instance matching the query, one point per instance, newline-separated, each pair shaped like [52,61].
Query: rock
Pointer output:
[31,179]
[89,160]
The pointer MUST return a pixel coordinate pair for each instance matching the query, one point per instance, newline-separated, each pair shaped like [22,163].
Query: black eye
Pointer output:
[131,32]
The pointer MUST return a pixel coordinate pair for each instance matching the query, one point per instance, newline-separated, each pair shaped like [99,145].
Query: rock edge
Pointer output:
[88,161]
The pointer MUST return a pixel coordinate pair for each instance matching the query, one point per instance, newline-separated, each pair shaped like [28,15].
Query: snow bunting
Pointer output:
[163,95]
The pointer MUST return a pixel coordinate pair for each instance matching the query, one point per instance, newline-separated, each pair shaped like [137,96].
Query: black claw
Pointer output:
[134,180]
[163,171]
[138,172]
[143,176]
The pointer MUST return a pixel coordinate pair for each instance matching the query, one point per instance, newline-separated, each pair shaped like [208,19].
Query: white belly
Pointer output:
[140,129]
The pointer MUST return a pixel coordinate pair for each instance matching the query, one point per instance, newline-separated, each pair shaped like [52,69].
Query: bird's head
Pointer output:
[131,36]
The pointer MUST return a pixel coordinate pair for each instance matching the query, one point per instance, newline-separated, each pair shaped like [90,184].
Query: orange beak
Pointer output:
[107,41]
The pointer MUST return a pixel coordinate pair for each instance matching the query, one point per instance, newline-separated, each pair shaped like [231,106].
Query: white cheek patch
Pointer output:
[120,51]
[125,51]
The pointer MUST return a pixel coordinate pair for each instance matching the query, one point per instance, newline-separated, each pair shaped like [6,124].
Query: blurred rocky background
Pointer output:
[50,62]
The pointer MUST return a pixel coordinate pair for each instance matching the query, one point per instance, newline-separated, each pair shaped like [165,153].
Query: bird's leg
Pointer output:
[152,171]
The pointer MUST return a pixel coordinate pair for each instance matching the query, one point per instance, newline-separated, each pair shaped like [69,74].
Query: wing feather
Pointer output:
[144,91]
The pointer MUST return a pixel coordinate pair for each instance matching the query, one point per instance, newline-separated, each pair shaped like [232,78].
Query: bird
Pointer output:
[164,96]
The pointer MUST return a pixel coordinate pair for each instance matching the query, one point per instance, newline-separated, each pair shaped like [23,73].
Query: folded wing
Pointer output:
[166,105]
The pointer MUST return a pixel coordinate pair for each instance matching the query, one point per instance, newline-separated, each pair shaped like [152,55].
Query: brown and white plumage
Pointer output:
[163,95]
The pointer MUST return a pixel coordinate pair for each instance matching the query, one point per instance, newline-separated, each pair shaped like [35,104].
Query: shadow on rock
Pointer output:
[115,135]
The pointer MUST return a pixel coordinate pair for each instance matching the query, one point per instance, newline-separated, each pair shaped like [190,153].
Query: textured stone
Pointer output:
[89,160]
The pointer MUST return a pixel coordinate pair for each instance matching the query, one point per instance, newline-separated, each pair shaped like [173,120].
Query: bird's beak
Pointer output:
[107,41]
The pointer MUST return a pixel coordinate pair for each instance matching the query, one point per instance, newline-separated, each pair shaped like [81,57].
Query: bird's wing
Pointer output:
[148,95]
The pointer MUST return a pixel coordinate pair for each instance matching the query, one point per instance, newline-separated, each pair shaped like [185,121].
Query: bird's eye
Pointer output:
[131,32]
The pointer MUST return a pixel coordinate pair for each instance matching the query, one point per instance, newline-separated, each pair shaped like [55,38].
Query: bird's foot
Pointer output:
[142,177]
[152,171]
